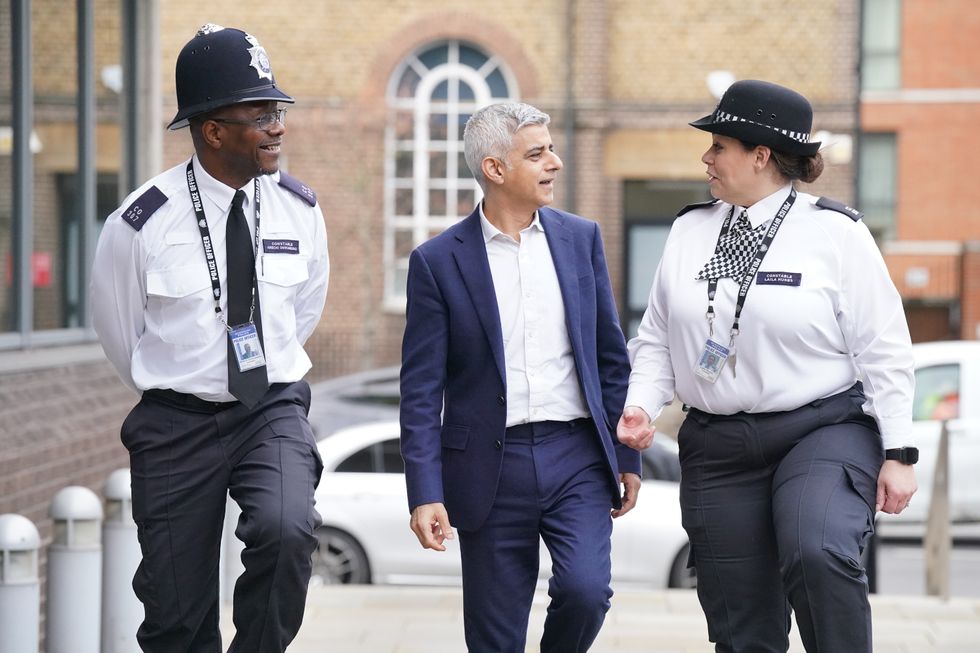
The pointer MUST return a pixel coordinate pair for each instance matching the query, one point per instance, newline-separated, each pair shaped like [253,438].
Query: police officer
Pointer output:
[768,308]
[207,282]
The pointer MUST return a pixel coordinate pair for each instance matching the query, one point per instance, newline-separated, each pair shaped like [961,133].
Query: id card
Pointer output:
[248,349]
[711,361]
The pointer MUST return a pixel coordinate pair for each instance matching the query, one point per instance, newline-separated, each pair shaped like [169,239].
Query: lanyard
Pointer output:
[202,225]
[760,253]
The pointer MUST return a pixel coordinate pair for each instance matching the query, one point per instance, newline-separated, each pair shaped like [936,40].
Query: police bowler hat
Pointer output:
[222,66]
[763,113]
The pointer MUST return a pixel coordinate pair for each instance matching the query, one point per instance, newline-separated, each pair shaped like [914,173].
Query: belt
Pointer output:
[188,401]
[530,430]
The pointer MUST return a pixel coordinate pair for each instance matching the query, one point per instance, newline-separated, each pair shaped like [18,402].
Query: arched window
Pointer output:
[428,187]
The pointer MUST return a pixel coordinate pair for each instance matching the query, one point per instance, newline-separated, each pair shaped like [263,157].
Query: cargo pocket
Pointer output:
[848,521]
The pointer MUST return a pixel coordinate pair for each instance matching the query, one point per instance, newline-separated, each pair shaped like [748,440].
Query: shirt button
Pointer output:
[498,444]
[501,400]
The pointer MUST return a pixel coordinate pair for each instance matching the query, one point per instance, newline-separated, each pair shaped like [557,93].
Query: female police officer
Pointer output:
[767,310]
[206,284]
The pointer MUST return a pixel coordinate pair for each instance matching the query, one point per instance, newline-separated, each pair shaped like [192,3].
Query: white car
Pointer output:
[947,386]
[365,537]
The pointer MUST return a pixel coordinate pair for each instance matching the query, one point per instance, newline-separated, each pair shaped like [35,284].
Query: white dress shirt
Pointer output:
[798,342]
[542,383]
[151,292]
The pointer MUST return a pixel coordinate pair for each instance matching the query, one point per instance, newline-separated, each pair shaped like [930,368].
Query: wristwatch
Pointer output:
[904,455]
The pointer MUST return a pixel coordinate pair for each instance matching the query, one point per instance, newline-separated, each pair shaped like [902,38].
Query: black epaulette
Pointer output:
[696,205]
[294,185]
[145,205]
[840,207]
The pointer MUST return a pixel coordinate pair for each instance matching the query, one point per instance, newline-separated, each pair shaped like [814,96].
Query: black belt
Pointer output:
[187,401]
[528,430]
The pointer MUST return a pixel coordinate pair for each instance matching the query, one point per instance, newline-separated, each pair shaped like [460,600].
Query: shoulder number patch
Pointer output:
[840,207]
[696,205]
[145,206]
[294,185]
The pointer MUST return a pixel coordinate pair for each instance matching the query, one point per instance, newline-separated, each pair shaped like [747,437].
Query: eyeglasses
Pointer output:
[264,122]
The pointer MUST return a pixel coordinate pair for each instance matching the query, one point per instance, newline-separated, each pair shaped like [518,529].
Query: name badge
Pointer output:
[712,361]
[778,278]
[280,246]
[248,350]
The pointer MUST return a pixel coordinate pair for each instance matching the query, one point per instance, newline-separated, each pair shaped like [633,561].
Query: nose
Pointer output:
[706,158]
[556,163]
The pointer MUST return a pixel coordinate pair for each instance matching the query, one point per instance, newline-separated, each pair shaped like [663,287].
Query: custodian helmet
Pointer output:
[222,66]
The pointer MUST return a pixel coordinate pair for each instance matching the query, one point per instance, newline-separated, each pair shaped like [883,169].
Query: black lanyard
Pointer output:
[202,225]
[760,253]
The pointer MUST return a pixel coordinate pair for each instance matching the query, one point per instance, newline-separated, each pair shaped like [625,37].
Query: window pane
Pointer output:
[877,185]
[403,243]
[463,170]
[392,457]
[471,57]
[404,164]
[646,246]
[437,164]
[465,92]
[441,91]
[436,56]
[937,392]
[408,83]
[881,44]
[437,126]
[465,202]
[404,201]
[497,84]
[437,201]
[359,462]
[404,125]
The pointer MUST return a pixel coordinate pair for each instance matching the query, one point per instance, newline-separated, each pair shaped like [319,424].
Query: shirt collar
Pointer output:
[219,193]
[766,209]
[490,232]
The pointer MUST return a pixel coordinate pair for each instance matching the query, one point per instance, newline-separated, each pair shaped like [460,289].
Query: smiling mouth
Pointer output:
[272,148]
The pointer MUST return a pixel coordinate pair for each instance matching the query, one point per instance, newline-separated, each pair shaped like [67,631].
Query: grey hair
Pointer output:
[490,132]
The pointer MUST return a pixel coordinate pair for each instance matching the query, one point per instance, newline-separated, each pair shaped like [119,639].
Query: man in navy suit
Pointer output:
[514,370]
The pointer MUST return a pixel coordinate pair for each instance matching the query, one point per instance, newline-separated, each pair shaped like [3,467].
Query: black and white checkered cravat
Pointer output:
[735,250]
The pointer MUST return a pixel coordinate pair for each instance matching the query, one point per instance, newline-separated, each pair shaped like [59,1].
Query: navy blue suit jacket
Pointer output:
[453,394]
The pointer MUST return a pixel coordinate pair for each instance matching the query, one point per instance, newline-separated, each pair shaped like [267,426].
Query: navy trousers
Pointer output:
[554,486]
[778,508]
[184,458]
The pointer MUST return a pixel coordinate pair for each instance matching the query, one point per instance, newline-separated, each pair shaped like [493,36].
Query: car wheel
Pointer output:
[682,577]
[339,560]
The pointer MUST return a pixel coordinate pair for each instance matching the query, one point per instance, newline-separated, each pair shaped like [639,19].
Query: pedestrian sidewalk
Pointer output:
[385,619]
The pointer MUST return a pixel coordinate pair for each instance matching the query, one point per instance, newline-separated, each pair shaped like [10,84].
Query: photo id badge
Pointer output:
[248,349]
[712,361]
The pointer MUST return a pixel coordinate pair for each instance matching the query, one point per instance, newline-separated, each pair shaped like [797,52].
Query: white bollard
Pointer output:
[122,612]
[20,588]
[74,596]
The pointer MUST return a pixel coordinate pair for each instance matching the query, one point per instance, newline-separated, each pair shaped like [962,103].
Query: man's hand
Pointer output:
[896,485]
[430,523]
[634,428]
[631,488]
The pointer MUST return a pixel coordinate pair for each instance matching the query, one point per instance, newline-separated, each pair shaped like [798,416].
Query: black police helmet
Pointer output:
[222,66]
[763,113]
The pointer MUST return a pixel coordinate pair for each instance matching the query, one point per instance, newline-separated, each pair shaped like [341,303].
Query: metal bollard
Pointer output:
[20,588]
[75,572]
[122,612]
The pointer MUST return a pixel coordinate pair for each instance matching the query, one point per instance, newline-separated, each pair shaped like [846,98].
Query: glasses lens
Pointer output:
[267,120]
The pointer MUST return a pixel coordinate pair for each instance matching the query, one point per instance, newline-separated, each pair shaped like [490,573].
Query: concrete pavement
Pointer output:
[386,619]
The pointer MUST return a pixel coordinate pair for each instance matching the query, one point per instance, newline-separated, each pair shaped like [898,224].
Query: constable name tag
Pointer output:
[712,361]
[280,246]
[248,349]
[778,278]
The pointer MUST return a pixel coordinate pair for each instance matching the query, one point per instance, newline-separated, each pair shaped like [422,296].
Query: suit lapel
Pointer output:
[566,267]
[474,267]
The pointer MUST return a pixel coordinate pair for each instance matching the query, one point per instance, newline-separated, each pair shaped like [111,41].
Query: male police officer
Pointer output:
[207,282]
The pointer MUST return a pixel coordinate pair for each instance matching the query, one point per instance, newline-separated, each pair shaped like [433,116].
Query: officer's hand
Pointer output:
[634,429]
[631,488]
[430,523]
[896,485]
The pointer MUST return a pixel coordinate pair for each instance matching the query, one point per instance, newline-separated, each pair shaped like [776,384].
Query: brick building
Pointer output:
[382,89]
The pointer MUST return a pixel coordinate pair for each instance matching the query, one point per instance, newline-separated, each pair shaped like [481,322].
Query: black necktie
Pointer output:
[251,385]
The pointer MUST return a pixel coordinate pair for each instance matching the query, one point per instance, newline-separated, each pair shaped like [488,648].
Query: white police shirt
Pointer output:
[153,307]
[542,383]
[821,314]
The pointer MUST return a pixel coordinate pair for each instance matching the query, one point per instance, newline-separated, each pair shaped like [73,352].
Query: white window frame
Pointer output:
[421,224]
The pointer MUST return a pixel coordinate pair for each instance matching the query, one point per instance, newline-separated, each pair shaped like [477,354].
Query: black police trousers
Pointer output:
[184,457]
[779,507]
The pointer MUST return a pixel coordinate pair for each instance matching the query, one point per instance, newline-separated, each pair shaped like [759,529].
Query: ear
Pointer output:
[493,169]
[762,155]
[211,134]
